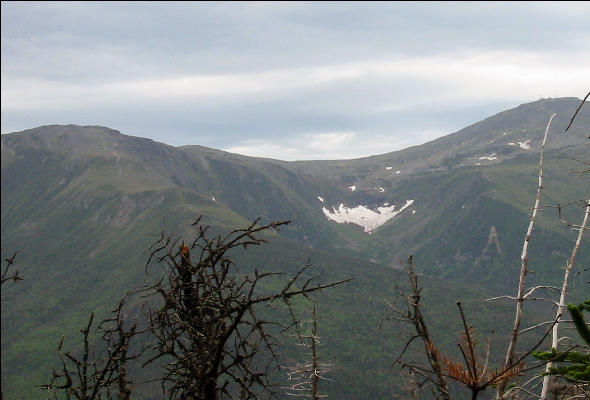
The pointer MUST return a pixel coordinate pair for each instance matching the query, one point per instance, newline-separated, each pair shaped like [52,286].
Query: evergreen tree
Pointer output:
[577,368]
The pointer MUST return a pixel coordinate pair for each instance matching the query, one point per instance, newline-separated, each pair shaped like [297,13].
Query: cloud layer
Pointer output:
[289,80]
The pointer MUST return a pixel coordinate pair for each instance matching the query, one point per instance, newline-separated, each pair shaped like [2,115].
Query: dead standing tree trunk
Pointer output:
[15,277]
[561,305]
[521,297]
[304,378]
[571,261]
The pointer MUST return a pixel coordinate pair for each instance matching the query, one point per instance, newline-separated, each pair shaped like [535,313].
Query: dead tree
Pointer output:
[304,378]
[96,374]
[473,372]
[521,296]
[210,340]
[562,303]
[413,316]
[118,348]
[547,380]
[9,276]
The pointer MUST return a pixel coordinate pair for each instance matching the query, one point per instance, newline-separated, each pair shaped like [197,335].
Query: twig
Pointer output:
[577,110]
[15,276]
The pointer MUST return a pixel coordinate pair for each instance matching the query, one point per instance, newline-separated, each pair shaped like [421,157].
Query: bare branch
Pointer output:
[577,110]
[15,276]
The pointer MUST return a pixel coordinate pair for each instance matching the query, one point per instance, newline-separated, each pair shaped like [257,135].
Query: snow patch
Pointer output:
[491,157]
[491,141]
[511,144]
[385,204]
[397,172]
[525,145]
[381,190]
[388,168]
[213,198]
[352,188]
[413,212]
[321,199]
[363,216]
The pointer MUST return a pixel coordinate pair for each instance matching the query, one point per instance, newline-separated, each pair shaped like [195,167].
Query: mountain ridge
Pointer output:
[79,203]
[273,189]
[564,105]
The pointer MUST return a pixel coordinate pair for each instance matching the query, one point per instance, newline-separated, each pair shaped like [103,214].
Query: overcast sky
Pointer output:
[287,80]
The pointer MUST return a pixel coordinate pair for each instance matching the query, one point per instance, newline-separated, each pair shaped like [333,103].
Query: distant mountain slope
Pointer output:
[81,205]
[465,185]
[509,134]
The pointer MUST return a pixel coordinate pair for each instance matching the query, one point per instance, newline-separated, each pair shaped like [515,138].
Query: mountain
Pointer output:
[81,205]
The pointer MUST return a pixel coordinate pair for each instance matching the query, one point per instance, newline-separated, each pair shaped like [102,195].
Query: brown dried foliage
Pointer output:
[472,371]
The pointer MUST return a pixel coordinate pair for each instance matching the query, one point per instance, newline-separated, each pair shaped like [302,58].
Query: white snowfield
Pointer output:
[491,157]
[525,145]
[363,216]
[352,188]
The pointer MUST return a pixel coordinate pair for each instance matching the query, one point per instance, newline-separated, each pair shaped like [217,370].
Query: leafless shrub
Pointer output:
[96,375]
